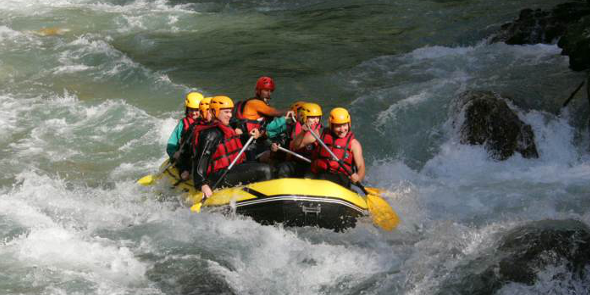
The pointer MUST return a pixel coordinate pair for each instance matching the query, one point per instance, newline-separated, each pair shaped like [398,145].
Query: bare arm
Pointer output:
[357,153]
[302,140]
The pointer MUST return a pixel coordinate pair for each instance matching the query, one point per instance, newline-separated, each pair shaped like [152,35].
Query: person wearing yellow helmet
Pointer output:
[302,142]
[184,163]
[311,114]
[340,139]
[183,128]
[217,145]
[295,108]
[204,109]
[278,132]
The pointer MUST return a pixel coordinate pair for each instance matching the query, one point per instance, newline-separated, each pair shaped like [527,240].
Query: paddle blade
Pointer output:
[146,180]
[196,207]
[381,213]
[373,190]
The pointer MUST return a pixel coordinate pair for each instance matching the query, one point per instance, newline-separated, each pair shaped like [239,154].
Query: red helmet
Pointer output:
[265,83]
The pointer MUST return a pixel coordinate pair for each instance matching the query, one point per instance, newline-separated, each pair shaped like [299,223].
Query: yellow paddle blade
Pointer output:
[146,180]
[373,190]
[381,212]
[198,204]
[196,207]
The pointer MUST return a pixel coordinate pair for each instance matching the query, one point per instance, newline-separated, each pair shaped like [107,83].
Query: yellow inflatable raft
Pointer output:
[290,201]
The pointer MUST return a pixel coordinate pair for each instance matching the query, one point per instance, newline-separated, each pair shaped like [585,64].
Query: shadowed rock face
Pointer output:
[576,44]
[541,26]
[490,122]
[520,254]
[568,21]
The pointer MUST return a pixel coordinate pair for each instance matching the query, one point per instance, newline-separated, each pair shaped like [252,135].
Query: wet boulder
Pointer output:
[565,21]
[541,26]
[520,254]
[484,118]
[531,247]
[576,44]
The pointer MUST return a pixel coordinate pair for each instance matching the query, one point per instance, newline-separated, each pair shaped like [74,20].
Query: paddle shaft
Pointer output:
[349,173]
[573,94]
[233,162]
[294,154]
[204,198]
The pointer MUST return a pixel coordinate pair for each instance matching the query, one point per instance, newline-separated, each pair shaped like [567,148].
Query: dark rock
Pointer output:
[547,242]
[567,22]
[520,254]
[541,26]
[489,121]
[576,44]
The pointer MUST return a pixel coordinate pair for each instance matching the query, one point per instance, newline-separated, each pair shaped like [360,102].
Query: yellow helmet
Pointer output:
[220,102]
[193,99]
[204,106]
[339,116]
[310,109]
[295,106]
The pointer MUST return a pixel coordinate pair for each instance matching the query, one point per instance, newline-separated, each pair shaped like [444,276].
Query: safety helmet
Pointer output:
[265,83]
[339,116]
[296,106]
[192,100]
[204,106]
[310,109]
[220,102]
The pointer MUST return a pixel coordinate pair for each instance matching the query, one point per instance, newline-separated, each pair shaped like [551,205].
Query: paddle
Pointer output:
[567,101]
[197,207]
[150,179]
[294,154]
[372,190]
[381,212]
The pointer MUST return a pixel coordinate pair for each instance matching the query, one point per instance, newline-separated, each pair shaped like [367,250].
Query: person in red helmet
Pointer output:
[255,112]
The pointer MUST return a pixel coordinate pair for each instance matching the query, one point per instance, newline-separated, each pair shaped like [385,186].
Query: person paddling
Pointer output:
[302,142]
[185,163]
[255,112]
[217,146]
[279,132]
[182,129]
[340,139]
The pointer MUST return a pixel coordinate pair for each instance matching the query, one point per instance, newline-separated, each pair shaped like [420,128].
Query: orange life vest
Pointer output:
[249,124]
[323,161]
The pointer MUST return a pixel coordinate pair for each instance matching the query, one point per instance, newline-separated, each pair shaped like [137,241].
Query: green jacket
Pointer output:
[174,140]
[276,127]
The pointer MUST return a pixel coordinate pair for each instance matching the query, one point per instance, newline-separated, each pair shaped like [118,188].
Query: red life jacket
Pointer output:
[199,126]
[247,123]
[296,129]
[227,150]
[341,147]
[187,126]
[306,151]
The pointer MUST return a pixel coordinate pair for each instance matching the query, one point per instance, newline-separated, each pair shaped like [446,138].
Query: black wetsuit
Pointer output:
[243,173]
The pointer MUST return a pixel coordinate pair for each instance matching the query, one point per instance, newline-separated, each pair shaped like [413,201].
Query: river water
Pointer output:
[91,89]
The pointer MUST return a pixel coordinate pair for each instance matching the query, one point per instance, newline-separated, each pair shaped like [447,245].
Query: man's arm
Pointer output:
[259,107]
